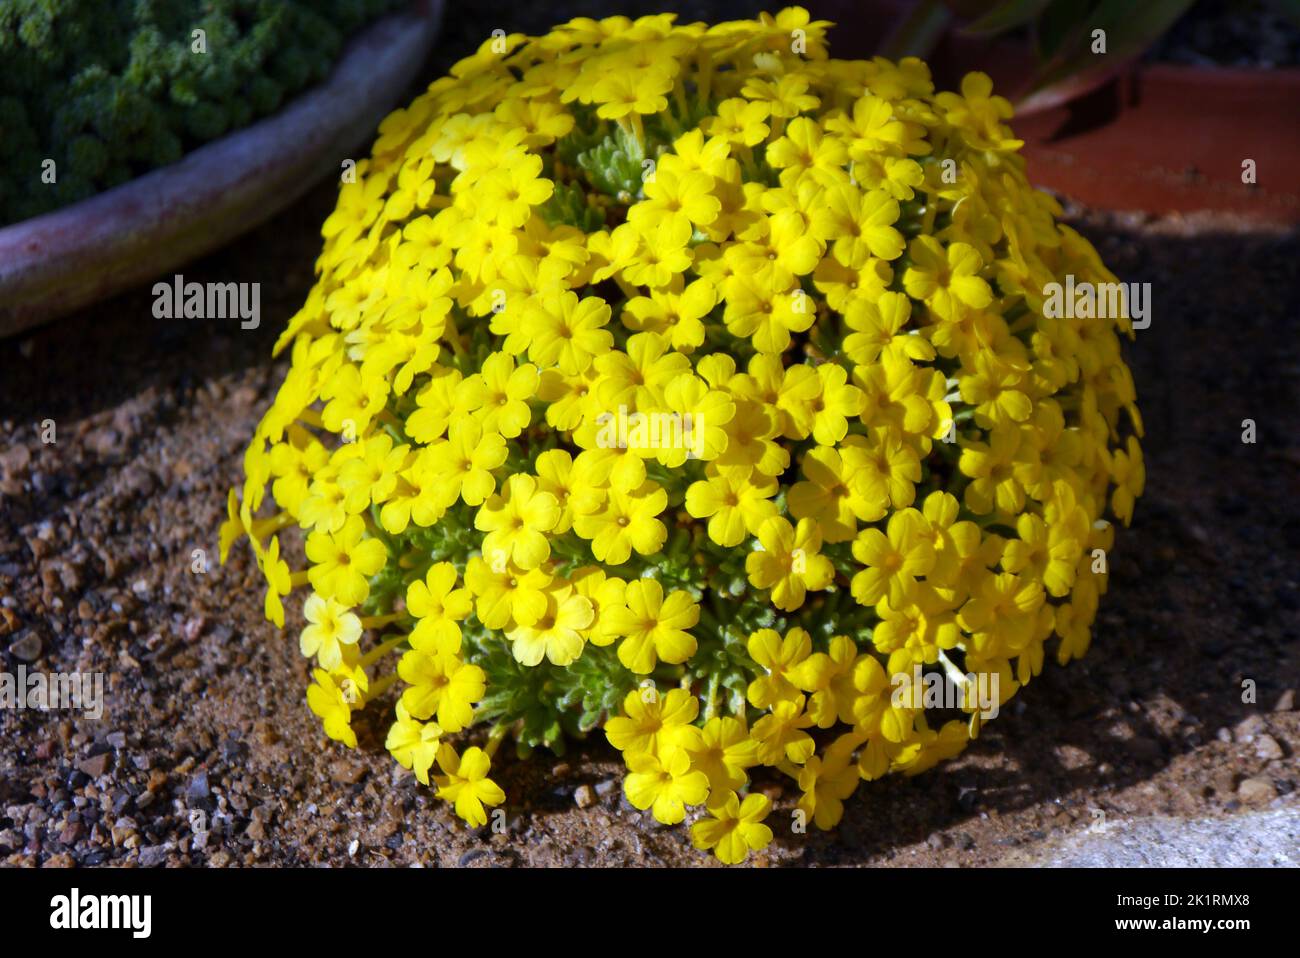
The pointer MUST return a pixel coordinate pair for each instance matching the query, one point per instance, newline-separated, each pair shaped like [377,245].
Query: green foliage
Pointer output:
[544,703]
[613,165]
[568,206]
[110,89]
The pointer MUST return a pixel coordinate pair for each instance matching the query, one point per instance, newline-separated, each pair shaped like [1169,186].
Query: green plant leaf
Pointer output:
[1061,20]
[1076,69]
[1006,16]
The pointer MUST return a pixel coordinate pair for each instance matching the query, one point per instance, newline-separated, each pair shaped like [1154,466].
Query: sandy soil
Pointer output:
[206,721]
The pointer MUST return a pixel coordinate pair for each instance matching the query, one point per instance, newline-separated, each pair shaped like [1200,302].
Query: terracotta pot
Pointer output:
[53,264]
[1156,137]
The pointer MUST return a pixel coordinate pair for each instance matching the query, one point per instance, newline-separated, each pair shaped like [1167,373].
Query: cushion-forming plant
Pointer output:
[96,92]
[686,383]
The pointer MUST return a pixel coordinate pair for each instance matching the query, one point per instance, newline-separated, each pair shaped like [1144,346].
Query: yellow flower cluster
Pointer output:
[684,381]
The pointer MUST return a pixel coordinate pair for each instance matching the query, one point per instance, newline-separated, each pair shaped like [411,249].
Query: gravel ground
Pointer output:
[205,721]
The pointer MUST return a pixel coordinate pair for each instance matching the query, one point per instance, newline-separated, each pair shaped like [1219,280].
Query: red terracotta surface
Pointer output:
[1164,138]
[1157,137]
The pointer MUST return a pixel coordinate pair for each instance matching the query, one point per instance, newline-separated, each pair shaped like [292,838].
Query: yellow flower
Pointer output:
[622,94]
[804,150]
[441,684]
[893,558]
[992,389]
[294,464]
[499,394]
[517,521]
[863,224]
[654,625]
[789,563]
[509,192]
[420,496]
[780,658]
[828,677]
[606,595]
[1000,618]
[837,402]
[734,828]
[878,329]
[740,121]
[672,196]
[786,96]
[874,128]
[329,626]
[751,442]
[568,332]
[557,476]
[1050,554]
[329,701]
[723,751]
[652,722]
[915,630]
[557,635]
[504,593]
[734,504]
[466,784]
[978,115]
[343,562]
[1130,477]
[439,404]
[279,581]
[781,248]
[413,744]
[674,312]
[666,786]
[437,606]
[626,522]
[467,459]
[780,733]
[831,495]
[636,378]
[353,401]
[997,470]
[946,280]
[372,475]
[829,283]
[825,786]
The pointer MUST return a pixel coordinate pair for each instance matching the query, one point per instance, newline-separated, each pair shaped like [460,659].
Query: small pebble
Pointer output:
[470,856]
[27,648]
[1256,791]
[1267,748]
[152,856]
[94,766]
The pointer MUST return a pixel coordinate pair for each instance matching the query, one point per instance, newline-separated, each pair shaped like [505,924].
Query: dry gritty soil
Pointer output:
[206,753]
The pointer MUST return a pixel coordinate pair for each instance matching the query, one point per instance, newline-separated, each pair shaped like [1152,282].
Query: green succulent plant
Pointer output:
[110,89]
